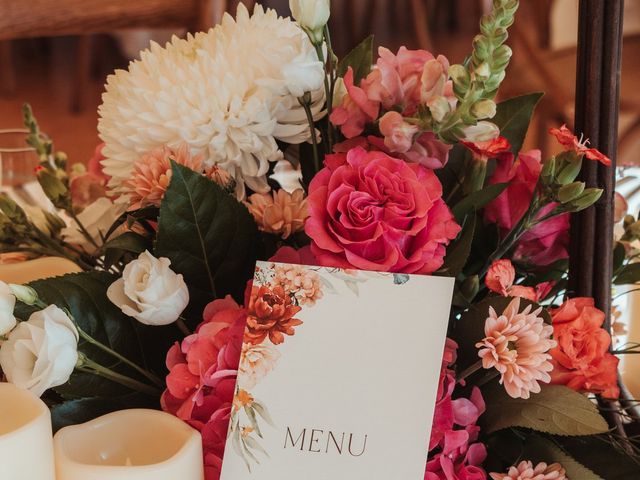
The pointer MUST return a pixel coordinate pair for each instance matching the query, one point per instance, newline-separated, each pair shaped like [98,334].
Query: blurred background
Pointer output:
[62,76]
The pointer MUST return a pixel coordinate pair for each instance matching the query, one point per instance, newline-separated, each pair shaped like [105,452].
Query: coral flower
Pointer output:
[271,313]
[569,141]
[500,278]
[279,212]
[152,174]
[582,360]
[526,471]
[516,344]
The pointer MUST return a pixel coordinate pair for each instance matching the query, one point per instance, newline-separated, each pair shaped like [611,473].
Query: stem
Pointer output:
[87,365]
[314,137]
[183,327]
[332,83]
[467,372]
[82,228]
[85,336]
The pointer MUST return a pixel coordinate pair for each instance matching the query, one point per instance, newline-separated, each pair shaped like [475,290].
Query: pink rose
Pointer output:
[375,212]
[547,241]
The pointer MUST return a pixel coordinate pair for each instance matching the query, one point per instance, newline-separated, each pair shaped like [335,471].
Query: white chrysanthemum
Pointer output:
[228,93]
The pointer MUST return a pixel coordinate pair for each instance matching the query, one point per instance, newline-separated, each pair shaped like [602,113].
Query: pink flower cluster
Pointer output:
[396,87]
[454,452]
[202,378]
[545,243]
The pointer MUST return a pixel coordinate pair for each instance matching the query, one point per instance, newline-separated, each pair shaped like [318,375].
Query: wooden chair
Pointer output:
[50,18]
[537,67]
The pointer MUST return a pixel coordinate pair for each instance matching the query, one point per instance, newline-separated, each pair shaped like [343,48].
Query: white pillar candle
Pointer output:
[45,267]
[129,445]
[26,446]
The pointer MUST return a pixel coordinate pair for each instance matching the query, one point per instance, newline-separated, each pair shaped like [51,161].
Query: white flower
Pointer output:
[228,93]
[7,304]
[287,176]
[256,361]
[312,15]
[24,294]
[150,291]
[481,132]
[42,352]
[97,218]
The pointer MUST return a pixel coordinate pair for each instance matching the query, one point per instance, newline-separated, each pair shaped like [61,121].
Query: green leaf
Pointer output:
[129,242]
[513,117]
[540,449]
[602,454]
[629,274]
[360,59]
[619,254]
[476,200]
[556,410]
[73,412]
[452,174]
[458,252]
[208,235]
[84,296]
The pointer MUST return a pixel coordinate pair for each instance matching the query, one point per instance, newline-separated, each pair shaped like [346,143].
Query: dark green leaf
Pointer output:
[452,174]
[208,235]
[619,254]
[602,454]
[84,295]
[513,117]
[476,200]
[629,274]
[539,449]
[73,412]
[360,59]
[556,409]
[129,242]
[458,252]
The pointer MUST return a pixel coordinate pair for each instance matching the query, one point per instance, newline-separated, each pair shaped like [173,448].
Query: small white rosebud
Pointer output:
[150,291]
[7,304]
[24,294]
[312,15]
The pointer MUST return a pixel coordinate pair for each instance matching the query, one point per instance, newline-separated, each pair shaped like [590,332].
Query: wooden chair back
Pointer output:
[46,18]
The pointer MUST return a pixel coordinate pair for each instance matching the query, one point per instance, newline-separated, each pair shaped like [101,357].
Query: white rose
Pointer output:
[312,15]
[7,304]
[97,219]
[150,291]
[42,352]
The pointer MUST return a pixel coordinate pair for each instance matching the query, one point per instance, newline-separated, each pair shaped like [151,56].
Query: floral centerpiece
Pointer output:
[254,141]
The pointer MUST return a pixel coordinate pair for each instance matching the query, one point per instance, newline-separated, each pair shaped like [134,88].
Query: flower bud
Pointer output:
[470,287]
[588,198]
[481,132]
[24,294]
[484,109]
[312,15]
[483,71]
[439,108]
[570,192]
[548,171]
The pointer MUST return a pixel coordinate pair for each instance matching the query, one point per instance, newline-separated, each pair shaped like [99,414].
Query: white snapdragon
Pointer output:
[312,15]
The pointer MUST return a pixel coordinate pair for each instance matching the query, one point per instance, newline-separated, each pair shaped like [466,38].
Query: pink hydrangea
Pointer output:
[545,243]
[375,212]
[454,452]
[202,377]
